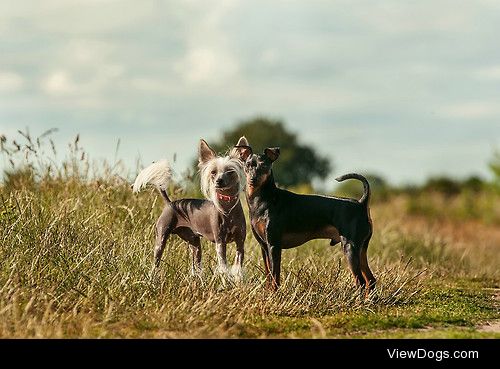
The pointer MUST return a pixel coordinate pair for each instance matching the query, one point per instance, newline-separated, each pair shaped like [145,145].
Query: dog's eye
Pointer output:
[213,172]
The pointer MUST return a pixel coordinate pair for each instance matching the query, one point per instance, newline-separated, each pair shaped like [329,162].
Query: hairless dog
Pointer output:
[219,219]
[281,219]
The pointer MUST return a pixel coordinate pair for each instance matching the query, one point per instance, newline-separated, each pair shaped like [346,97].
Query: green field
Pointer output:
[76,259]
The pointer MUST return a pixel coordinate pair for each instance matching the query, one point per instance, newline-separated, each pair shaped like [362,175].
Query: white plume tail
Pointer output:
[158,174]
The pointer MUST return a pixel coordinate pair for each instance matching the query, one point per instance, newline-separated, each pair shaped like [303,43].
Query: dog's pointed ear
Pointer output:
[241,152]
[272,153]
[242,142]
[205,153]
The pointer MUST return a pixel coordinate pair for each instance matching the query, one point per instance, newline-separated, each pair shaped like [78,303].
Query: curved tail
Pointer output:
[158,174]
[366,186]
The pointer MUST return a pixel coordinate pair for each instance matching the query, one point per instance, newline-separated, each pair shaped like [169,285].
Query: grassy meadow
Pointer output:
[76,255]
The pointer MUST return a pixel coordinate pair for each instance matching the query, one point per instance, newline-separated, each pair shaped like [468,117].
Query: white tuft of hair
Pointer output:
[158,174]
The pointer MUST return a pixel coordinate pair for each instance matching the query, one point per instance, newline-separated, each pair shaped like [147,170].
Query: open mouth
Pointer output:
[226,194]
[226,191]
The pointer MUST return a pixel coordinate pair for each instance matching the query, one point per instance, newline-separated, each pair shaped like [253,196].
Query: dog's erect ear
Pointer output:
[272,153]
[241,152]
[242,142]
[205,153]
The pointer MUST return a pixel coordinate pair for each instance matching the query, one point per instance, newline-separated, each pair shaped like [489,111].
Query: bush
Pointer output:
[444,185]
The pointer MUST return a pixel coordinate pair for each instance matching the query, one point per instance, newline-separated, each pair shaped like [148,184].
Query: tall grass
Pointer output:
[76,258]
[482,205]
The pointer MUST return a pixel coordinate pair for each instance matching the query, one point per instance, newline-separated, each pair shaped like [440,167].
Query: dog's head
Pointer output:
[257,167]
[222,177]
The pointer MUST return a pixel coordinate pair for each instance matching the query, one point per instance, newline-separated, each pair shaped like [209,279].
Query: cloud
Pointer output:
[472,110]
[76,92]
[208,57]
[399,17]
[84,67]
[59,83]
[87,51]
[204,64]
[10,82]
[269,57]
[489,73]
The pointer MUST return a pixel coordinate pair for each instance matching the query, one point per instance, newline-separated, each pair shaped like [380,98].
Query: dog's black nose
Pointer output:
[220,182]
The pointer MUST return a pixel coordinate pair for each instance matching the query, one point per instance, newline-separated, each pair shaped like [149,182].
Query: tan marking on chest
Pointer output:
[252,189]
[260,228]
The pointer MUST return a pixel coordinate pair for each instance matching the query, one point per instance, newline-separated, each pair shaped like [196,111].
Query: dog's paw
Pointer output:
[237,273]
[196,272]
[222,269]
[154,272]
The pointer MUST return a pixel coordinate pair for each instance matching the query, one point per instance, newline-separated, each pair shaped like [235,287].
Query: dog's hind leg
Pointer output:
[353,259]
[195,245]
[365,269]
[161,241]
[164,227]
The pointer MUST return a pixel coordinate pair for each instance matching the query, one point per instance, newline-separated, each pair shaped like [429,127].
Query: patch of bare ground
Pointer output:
[493,325]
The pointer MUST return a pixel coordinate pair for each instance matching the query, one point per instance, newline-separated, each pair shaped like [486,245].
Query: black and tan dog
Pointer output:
[281,219]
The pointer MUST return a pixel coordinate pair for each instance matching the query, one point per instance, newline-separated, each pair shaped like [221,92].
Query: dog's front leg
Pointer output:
[221,257]
[267,264]
[275,256]
[238,261]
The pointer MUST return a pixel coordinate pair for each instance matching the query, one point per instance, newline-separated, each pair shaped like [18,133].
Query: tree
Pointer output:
[442,184]
[473,183]
[298,164]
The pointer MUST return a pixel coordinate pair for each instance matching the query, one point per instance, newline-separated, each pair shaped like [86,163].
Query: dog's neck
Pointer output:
[227,203]
[264,190]
[227,198]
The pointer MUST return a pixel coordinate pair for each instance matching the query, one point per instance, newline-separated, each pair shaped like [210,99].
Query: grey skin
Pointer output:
[192,219]
[281,219]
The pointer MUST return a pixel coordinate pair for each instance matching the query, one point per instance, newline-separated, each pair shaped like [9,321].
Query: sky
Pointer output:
[405,89]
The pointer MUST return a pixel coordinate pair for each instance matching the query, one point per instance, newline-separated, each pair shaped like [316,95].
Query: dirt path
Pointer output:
[494,325]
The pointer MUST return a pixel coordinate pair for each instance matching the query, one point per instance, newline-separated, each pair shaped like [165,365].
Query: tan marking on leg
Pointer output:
[267,271]
[365,270]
